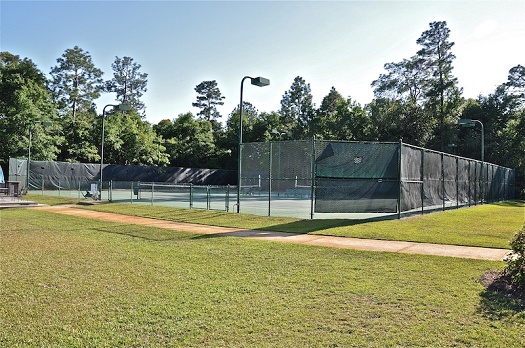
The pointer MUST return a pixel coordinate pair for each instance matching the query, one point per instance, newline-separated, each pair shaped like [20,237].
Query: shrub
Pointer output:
[516,260]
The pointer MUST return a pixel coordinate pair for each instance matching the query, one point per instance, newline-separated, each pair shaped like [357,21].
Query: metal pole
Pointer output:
[191,195]
[102,149]
[482,158]
[227,201]
[312,182]
[400,183]
[270,180]
[443,180]
[152,190]
[28,159]
[239,155]
[422,177]
[457,183]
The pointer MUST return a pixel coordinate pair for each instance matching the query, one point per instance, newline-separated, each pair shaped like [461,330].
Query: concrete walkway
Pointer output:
[326,241]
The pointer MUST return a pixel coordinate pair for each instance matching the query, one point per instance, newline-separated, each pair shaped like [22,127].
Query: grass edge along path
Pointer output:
[488,225]
[77,282]
[287,237]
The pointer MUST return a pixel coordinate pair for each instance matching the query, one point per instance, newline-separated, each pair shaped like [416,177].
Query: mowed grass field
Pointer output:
[73,282]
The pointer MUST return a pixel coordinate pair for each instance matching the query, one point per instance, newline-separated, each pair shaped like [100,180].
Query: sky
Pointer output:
[343,44]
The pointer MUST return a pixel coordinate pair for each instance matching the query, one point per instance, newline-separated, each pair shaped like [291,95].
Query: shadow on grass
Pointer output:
[146,234]
[309,226]
[511,204]
[501,299]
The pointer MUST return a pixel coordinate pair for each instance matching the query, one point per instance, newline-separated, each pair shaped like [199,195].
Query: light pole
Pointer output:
[467,122]
[44,123]
[257,81]
[122,107]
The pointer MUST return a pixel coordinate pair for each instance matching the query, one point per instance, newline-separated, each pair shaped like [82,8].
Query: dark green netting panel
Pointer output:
[411,178]
[463,181]
[450,173]
[364,177]
[356,177]
[432,184]
[51,175]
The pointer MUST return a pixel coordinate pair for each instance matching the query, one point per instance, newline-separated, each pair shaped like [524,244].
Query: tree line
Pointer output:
[417,100]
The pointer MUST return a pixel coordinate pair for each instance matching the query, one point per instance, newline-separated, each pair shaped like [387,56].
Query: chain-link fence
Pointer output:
[342,179]
[304,179]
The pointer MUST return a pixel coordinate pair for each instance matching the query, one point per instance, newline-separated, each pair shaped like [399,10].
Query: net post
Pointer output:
[208,197]
[191,195]
[227,200]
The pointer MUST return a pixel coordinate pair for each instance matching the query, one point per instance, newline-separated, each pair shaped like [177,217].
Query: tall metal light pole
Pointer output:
[467,122]
[261,82]
[122,107]
[44,123]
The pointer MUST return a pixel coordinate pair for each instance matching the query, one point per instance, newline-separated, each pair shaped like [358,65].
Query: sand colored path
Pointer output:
[325,241]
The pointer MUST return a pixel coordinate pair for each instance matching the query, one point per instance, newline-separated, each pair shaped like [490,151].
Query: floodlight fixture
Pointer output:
[466,122]
[260,81]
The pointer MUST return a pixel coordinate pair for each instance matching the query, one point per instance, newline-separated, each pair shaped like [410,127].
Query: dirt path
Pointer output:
[326,241]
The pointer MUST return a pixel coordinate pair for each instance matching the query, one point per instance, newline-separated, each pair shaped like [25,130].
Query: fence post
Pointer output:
[443,180]
[312,183]
[270,178]
[457,183]
[399,189]
[422,171]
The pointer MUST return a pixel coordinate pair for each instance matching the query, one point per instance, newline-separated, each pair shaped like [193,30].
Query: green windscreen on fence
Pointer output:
[291,178]
[319,176]
[356,177]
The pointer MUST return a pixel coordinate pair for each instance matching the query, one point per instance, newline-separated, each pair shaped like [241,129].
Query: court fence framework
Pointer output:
[390,178]
[307,179]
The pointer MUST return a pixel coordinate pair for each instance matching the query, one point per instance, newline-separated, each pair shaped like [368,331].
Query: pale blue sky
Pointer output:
[342,44]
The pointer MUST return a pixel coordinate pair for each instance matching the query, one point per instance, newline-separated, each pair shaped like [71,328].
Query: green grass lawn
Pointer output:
[72,282]
[52,200]
[489,225]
